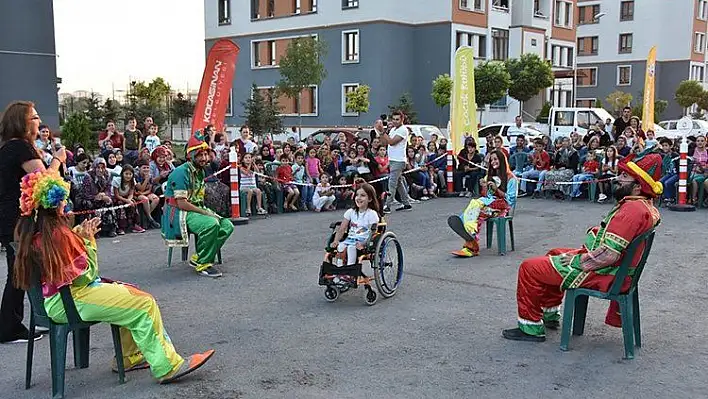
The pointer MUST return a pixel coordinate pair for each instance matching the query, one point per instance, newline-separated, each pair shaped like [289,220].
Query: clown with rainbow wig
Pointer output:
[185,212]
[67,257]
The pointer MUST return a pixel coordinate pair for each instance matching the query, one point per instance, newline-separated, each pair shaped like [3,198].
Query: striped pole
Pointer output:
[235,200]
[681,205]
[450,186]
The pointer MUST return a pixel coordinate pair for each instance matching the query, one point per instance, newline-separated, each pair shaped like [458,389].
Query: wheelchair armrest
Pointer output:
[374,231]
[334,225]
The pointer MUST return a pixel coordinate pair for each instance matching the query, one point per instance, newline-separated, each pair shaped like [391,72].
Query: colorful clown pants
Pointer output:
[142,334]
[539,294]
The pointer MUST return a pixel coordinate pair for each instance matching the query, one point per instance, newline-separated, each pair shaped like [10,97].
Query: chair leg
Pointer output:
[568,309]
[501,236]
[58,335]
[185,254]
[581,310]
[82,338]
[169,257]
[511,234]
[490,233]
[627,327]
[637,319]
[30,353]
[218,257]
[115,331]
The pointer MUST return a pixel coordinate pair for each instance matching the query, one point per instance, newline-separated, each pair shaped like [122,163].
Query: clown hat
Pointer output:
[43,189]
[196,144]
[646,169]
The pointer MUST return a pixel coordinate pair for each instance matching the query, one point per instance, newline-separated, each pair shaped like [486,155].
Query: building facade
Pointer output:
[27,57]
[392,46]
[613,49]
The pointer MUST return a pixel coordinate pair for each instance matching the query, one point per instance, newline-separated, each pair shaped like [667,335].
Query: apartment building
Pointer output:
[27,57]
[613,48]
[394,47]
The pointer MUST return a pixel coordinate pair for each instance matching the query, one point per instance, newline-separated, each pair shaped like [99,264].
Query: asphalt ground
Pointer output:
[439,337]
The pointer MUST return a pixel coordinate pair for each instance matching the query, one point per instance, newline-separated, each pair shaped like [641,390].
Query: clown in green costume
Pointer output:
[185,213]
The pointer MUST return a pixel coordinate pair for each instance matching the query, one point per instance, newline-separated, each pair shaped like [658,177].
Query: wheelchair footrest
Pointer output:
[328,269]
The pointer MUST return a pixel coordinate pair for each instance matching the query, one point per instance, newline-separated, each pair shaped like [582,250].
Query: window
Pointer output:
[224,12]
[313,8]
[703,9]
[350,46]
[230,105]
[625,43]
[624,75]
[256,54]
[270,8]
[564,14]
[697,72]
[350,4]
[501,4]
[348,88]
[627,11]
[586,77]
[296,6]
[588,45]
[500,44]
[472,5]
[699,44]
[254,9]
[586,14]
[477,42]
[585,103]
[561,56]
[271,51]
[564,118]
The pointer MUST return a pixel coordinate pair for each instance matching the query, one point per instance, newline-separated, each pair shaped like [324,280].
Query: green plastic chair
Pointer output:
[576,300]
[500,223]
[58,335]
[185,253]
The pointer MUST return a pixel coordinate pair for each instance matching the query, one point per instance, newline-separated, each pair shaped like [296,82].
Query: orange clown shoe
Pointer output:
[469,250]
[189,365]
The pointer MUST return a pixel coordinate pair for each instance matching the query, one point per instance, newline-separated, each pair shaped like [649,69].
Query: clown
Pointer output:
[498,198]
[68,258]
[543,279]
[185,212]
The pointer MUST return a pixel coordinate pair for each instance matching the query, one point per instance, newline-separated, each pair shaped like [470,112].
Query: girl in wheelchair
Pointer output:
[356,225]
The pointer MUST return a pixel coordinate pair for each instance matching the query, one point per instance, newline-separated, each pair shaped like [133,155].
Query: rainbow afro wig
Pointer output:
[45,189]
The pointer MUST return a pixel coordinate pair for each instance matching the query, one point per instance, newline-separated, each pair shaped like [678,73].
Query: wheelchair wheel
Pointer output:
[388,264]
[370,296]
[331,293]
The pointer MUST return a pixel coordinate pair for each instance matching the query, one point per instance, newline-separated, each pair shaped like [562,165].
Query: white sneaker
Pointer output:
[424,198]
[413,201]
[602,198]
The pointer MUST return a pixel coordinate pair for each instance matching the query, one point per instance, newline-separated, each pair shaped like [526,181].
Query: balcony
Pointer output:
[500,5]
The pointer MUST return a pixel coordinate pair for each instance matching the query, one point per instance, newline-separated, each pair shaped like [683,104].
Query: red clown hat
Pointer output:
[196,144]
[646,169]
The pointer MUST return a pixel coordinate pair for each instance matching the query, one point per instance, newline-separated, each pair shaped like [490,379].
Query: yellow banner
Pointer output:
[463,112]
[648,110]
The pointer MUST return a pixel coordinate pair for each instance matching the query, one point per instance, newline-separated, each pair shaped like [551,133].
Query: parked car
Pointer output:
[700,127]
[318,136]
[563,121]
[426,131]
[502,129]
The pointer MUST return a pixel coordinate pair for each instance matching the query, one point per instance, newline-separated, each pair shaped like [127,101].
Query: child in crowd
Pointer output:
[112,164]
[152,140]
[123,194]
[609,170]
[284,174]
[145,193]
[220,144]
[314,166]
[78,172]
[651,140]
[300,176]
[323,198]
[249,187]
[590,169]
[357,222]
[344,194]
[265,185]
[382,162]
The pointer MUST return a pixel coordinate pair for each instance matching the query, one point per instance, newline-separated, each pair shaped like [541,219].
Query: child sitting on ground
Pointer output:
[343,194]
[323,198]
[123,193]
[357,222]
[590,168]
[284,175]
[145,193]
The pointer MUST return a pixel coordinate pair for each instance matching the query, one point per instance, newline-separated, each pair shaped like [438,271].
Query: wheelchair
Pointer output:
[382,250]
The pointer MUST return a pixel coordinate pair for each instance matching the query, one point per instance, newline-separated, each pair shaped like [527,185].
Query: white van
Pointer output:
[564,121]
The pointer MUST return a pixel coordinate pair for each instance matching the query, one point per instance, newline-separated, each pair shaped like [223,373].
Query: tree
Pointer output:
[261,114]
[442,91]
[405,105]
[659,108]
[300,68]
[182,109]
[272,121]
[94,113]
[529,75]
[543,114]
[491,82]
[149,99]
[358,100]
[111,110]
[688,92]
[618,100]
[77,130]
[598,103]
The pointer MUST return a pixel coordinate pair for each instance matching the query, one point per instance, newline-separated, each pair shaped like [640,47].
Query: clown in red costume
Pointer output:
[543,279]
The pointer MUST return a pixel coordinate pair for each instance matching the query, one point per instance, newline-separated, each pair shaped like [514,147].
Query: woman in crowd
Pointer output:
[112,163]
[217,195]
[468,166]
[19,128]
[565,166]
[68,257]
[160,168]
[498,197]
[95,193]
[700,168]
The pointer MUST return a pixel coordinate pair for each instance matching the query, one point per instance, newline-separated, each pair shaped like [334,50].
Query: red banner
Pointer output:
[217,80]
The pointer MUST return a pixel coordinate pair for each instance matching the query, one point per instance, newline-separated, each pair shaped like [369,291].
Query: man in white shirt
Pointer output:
[516,130]
[396,141]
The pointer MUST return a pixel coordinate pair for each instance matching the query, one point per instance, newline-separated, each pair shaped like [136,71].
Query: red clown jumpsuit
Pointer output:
[543,279]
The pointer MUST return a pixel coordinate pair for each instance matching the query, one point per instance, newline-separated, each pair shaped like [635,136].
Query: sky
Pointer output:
[103,44]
